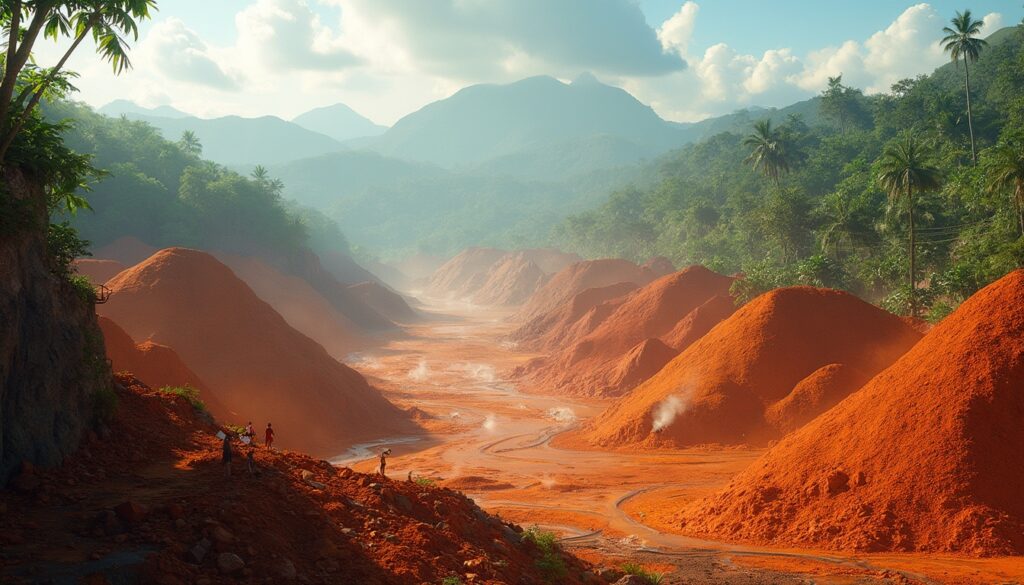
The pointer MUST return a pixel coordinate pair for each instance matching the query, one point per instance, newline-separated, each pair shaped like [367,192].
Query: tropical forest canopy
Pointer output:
[826,203]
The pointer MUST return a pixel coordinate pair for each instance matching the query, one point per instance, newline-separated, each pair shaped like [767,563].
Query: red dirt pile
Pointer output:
[96,270]
[549,331]
[301,305]
[487,276]
[925,457]
[577,278]
[623,349]
[157,364]
[127,250]
[463,274]
[385,301]
[510,281]
[550,260]
[149,503]
[699,321]
[259,366]
[718,389]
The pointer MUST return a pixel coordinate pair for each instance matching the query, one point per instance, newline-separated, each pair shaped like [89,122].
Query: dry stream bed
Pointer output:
[492,442]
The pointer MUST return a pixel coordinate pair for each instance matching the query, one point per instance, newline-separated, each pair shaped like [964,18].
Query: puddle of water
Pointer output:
[368,450]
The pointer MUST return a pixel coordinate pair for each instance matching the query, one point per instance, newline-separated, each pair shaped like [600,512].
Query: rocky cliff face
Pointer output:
[52,371]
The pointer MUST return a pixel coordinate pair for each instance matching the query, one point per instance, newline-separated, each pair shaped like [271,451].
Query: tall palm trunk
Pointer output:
[1018,200]
[913,272]
[970,121]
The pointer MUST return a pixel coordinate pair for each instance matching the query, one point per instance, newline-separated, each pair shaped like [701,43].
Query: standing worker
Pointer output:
[268,437]
[226,455]
[384,460]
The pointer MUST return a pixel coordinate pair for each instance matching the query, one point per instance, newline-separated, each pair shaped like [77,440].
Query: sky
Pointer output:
[386,58]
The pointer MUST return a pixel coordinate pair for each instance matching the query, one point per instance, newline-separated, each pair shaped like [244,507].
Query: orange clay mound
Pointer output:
[510,281]
[925,457]
[549,260]
[258,365]
[577,278]
[699,321]
[640,363]
[550,330]
[601,363]
[307,266]
[127,250]
[813,395]
[660,266]
[302,307]
[717,390]
[141,500]
[385,301]
[98,271]
[463,274]
[157,364]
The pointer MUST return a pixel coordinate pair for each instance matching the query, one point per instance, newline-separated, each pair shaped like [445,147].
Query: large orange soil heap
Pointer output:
[926,457]
[385,301]
[487,276]
[127,250]
[256,363]
[151,504]
[301,305]
[552,329]
[577,278]
[463,274]
[718,389]
[96,270]
[623,350]
[157,364]
[510,281]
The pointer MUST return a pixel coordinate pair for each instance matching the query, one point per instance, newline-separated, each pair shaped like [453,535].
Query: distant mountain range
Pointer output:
[490,164]
[340,122]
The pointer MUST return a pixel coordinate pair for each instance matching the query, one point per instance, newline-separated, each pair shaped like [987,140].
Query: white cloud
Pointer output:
[178,53]
[723,80]
[502,39]
[676,32]
[286,34]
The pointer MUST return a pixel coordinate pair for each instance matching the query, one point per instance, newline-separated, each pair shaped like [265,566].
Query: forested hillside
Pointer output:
[165,194]
[822,201]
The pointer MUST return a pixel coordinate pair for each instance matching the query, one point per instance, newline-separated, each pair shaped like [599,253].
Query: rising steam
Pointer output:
[667,410]
[421,372]
[490,423]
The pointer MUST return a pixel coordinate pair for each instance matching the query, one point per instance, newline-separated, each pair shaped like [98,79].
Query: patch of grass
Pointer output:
[638,570]
[550,562]
[424,481]
[453,580]
[188,393]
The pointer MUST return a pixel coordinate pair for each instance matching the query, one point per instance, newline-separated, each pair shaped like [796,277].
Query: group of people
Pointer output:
[250,457]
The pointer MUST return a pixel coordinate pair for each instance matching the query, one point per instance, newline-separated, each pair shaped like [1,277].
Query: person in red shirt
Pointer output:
[269,436]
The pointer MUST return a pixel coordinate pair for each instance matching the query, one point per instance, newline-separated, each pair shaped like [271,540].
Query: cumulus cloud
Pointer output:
[288,34]
[723,80]
[499,38]
[177,52]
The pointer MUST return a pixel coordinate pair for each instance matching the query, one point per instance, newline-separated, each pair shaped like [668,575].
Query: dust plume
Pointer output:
[667,410]
[421,372]
[562,414]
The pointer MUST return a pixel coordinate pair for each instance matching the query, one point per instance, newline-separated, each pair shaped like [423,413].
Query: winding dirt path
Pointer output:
[493,442]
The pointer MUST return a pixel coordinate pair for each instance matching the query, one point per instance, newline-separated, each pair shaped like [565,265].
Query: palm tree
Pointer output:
[770,150]
[961,42]
[1006,172]
[906,168]
[189,142]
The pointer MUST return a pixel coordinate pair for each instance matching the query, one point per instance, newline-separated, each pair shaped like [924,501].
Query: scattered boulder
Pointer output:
[229,563]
